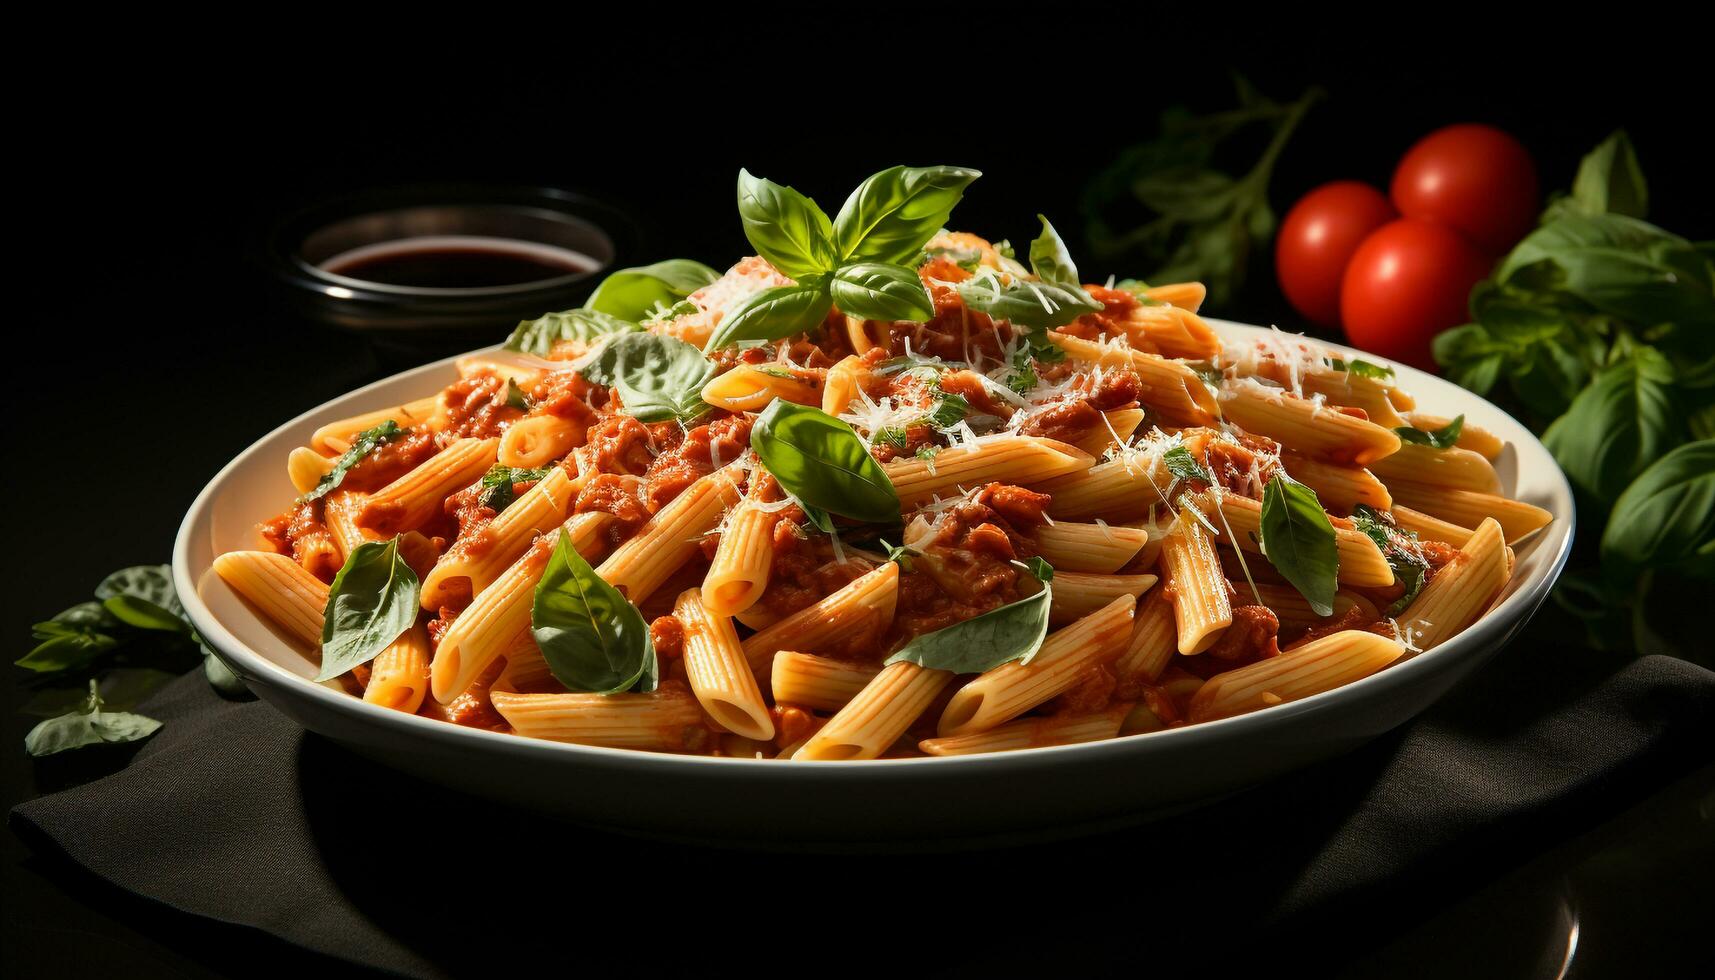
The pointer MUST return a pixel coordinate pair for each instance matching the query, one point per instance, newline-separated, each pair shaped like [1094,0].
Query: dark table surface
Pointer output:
[152,355]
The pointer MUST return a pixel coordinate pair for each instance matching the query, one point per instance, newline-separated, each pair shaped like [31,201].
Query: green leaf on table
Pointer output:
[373,599]
[89,724]
[821,462]
[1667,515]
[1014,631]
[72,639]
[635,294]
[591,636]
[1298,540]
[1617,426]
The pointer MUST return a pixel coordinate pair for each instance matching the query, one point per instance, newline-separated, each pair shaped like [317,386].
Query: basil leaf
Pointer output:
[592,637]
[221,677]
[891,215]
[143,614]
[1050,260]
[515,396]
[1618,265]
[497,493]
[1409,566]
[72,639]
[1024,303]
[1298,541]
[538,336]
[775,313]
[372,601]
[949,410]
[899,554]
[658,378]
[785,227]
[1184,466]
[361,446]
[1667,515]
[1610,180]
[821,462]
[1015,631]
[1617,426]
[874,291]
[143,596]
[1445,437]
[88,725]
[1361,368]
[633,294]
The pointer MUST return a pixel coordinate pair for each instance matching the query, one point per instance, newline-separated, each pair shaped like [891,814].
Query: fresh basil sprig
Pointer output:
[538,336]
[361,447]
[591,636]
[636,294]
[857,262]
[821,462]
[1445,437]
[373,599]
[1298,540]
[1054,299]
[88,725]
[1015,631]
[658,378]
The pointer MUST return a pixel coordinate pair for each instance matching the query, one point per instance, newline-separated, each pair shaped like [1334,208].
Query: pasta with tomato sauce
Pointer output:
[815,508]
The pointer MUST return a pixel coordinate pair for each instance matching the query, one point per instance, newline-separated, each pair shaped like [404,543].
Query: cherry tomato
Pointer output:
[1471,177]
[1407,282]
[1318,238]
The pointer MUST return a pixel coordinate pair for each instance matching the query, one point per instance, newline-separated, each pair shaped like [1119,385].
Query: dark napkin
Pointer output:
[234,813]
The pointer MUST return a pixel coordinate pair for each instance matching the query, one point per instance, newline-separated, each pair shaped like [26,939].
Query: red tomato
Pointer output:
[1471,177]
[1318,238]
[1407,282]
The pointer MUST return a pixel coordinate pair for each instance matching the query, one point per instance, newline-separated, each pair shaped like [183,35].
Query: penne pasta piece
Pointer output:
[649,558]
[1468,508]
[479,364]
[1154,641]
[539,440]
[872,721]
[1120,488]
[864,603]
[719,674]
[1007,691]
[305,468]
[526,671]
[471,563]
[1355,391]
[1302,425]
[744,558]
[1174,330]
[1102,548]
[1430,528]
[1169,387]
[1186,295]
[1318,666]
[863,334]
[1461,591]
[1031,733]
[1361,562]
[665,720]
[1021,460]
[841,384]
[810,681]
[340,510]
[1078,594]
[1340,488]
[408,502]
[1196,585]
[1293,611]
[750,387]
[1454,469]
[290,597]
[336,437]
[1121,423]
[399,674]
[1471,437]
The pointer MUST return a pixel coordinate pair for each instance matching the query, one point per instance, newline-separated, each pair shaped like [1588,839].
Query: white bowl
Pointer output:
[1060,789]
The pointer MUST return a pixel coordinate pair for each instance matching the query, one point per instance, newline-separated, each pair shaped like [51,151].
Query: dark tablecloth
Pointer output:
[234,813]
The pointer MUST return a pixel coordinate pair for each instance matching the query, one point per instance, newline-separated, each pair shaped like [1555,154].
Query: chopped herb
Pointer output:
[1184,466]
[497,485]
[1442,438]
[361,447]
[900,554]
[516,398]
[1361,368]
[949,410]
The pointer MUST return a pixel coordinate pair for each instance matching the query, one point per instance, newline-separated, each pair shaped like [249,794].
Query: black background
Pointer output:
[151,353]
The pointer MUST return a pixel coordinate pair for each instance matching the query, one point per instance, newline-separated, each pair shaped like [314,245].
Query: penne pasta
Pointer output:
[1078,594]
[336,437]
[1452,469]
[873,720]
[399,675]
[406,503]
[1168,387]
[1461,591]
[1196,585]
[864,604]
[641,564]
[1318,666]
[809,681]
[1361,562]
[719,674]
[1022,460]
[750,387]
[1468,508]
[539,440]
[290,597]
[1471,437]
[470,564]
[744,559]
[1304,425]
[666,720]
[1031,733]
[1101,548]
[1430,528]
[1339,488]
